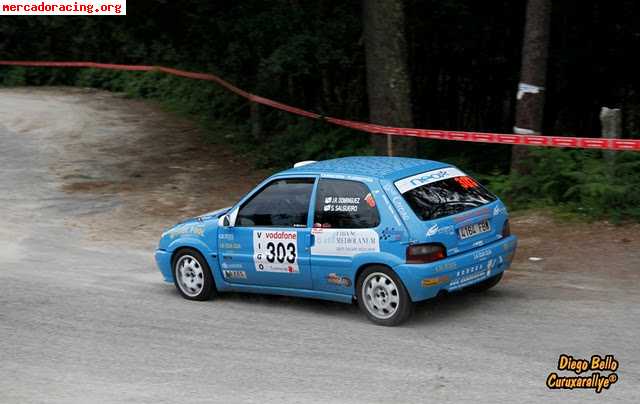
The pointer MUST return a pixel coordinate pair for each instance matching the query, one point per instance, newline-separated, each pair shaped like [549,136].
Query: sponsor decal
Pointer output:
[478,243]
[344,243]
[432,230]
[499,210]
[231,266]
[469,275]
[397,202]
[230,246]
[466,182]
[492,263]
[435,229]
[338,280]
[391,234]
[225,236]
[387,202]
[231,274]
[275,251]
[195,229]
[480,255]
[470,270]
[449,266]
[596,381]
[407,184]
[428,282]
[370,201]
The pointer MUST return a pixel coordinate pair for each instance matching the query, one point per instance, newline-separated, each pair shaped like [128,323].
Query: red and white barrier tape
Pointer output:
[482,137]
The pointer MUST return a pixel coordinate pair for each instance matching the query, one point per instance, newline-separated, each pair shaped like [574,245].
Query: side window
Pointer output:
[281,203]
[342,204]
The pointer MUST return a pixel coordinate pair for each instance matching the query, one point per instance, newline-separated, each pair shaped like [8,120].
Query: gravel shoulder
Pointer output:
[89,179]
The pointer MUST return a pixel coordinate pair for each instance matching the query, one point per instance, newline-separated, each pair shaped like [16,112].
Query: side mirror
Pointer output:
[223,221]
[228,219]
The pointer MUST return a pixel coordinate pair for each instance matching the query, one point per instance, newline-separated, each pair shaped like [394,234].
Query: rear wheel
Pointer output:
[192,276]
[486,284]
[383,297]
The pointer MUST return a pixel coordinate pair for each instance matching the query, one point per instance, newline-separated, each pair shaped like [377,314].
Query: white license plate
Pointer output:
[473,229]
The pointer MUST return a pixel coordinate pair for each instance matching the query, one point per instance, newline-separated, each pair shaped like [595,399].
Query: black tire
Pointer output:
[368,301]
[486,284]
[200,286]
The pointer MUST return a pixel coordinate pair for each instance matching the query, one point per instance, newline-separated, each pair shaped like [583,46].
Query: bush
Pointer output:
[305,139]
[578,181]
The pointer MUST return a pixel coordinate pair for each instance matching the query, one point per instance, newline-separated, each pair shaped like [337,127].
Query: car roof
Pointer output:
[368,166]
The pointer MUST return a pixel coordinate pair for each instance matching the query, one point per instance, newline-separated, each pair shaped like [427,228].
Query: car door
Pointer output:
[268,245]
[344,225]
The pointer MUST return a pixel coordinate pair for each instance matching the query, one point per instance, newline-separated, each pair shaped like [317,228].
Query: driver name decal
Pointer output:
[275,251]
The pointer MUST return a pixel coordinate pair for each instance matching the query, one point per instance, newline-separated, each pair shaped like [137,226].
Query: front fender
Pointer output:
[191,242]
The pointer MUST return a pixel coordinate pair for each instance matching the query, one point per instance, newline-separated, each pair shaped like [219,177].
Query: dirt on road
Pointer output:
[152,165]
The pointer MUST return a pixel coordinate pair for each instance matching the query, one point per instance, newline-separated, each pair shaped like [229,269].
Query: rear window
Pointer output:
[440,193]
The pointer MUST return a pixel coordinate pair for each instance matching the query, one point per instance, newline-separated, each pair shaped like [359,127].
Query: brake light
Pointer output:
[425,253]
[506,229]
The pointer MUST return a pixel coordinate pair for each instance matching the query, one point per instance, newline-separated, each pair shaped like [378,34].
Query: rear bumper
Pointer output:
[424,281]
[163,260]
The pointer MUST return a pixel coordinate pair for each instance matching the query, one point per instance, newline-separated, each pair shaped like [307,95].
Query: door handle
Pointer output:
[312,240]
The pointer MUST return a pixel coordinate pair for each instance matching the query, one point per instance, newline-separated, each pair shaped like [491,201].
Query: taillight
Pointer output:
[425,253]
[506,230]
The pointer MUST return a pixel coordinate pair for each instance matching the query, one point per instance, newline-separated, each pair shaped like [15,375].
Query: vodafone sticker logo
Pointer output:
[278,235]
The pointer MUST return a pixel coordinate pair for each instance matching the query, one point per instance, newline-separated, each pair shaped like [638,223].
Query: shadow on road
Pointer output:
[444,308]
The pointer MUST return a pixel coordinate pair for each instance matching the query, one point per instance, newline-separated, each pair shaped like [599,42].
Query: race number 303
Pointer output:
[275,251]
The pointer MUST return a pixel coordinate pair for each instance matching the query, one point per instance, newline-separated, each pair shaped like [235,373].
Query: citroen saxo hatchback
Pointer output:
[382,231]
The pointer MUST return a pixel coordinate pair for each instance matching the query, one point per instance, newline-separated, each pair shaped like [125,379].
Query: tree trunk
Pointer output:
[388,82]
[533,75]
[611,124]
[256,121]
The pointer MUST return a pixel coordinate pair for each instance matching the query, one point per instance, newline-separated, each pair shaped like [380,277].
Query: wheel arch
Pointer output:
[363,267]
[175,253]
[201,248]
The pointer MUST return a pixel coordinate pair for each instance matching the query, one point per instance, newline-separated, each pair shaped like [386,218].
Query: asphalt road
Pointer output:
[85,319]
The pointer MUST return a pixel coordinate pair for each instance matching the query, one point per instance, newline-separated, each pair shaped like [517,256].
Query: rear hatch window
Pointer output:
[440,193]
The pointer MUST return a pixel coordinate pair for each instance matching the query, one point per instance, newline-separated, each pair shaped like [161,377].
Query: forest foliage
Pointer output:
[464,61]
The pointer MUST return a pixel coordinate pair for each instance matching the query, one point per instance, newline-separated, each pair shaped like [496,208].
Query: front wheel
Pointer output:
[383,297]
[192,276]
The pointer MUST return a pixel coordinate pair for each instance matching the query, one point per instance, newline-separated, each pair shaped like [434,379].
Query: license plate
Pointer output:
[473,229]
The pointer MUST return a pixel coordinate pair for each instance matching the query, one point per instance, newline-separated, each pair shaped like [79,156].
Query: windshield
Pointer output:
[436,198]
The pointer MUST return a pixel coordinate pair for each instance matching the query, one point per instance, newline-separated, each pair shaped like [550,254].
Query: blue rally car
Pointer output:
[383,231]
